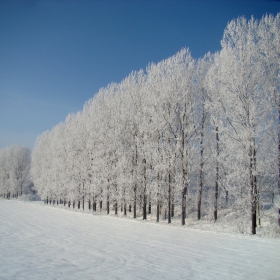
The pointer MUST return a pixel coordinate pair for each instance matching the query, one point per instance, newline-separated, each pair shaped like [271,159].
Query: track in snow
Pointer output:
[44,242]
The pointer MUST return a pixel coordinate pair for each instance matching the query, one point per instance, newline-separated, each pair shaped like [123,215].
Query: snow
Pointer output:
[46,242]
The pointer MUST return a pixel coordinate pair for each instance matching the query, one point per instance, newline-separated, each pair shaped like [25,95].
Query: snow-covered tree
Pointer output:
[183,134]
[15,171]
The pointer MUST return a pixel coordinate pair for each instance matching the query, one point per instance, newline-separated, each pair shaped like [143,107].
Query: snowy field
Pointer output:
[45,242]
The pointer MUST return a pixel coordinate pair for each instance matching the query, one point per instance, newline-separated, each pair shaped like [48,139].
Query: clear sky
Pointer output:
[55,55]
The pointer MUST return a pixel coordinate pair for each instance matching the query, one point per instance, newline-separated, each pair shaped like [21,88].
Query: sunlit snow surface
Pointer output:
[44,242]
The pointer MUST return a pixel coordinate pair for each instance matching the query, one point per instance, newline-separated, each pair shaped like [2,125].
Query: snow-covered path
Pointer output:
[44,242]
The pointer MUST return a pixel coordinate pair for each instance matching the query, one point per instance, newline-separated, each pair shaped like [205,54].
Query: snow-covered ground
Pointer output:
[44,242]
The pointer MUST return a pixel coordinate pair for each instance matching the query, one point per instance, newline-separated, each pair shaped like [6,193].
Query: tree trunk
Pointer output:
[217,176]
[134,211]
[199,205]
[134,206]
[135,184]
[227,198]
[253,181]
[258,203]
[145,193]
[254,220]
[183,215]
[201,164]
[157,212]
[124,209]
[200,185]
[158,199]
[144,208]
[216,202]
[169,198]
[108,205]
[200,180]
[259,214]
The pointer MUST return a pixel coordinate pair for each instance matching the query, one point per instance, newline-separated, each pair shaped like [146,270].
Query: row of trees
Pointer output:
[15,171]
[194,135]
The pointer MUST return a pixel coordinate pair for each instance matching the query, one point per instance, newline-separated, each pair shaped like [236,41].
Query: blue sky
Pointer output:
[55,55]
